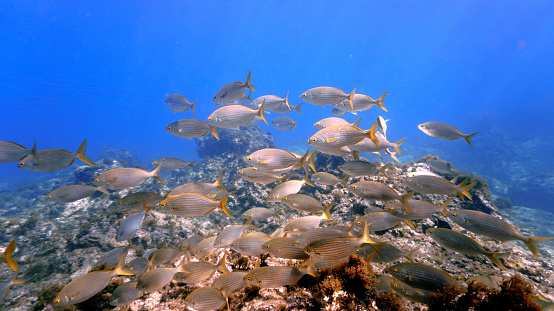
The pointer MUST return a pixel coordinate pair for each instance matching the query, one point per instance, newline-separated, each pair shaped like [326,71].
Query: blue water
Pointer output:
[101,70]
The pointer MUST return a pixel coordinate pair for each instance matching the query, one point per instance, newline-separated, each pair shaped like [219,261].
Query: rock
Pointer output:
[240,141]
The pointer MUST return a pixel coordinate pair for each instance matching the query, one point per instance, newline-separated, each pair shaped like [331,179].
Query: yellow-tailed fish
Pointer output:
[206,299]
[358,168]
[284,123]
[193,204]
[372,190]
[124,294]
[496,228]
[287,109]
[234,115]
[259,213]
[323,178]
[200,187]
[492,281]
[7,256]
[315,234]
[73,193]
[169,163]
[233,91]
[87,285]
[137,266]
[418,209]
[5,286]
[113,257]
[204,247]
[164,256]
[178,103]
[231,282]
[272,159]
[308,222]
[305,203]
[286,188]
[155,279]
[444,131]
[250,244]
[336,247]
[378,221]
[438,185]
[385,252]
[276,276]
[12,152]
[198,271]
[459,242]
[410,293]
[337,136]
[325,95]
[323,123]
[231,233]
[271,102]
[440,166]
[421,276]
[361,102]
[130,225]
[191,128]
[367,145]
[54,159]
[134,200]
[260,176]
[284,247]
[125,177]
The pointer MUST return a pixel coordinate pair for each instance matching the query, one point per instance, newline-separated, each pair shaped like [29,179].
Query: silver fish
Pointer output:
[337,136]
[358,168]
[275,276]
[131,224]
[199,187]
[169,163]
[230,283]
[198,271]
[12,152]
[155,279]
[234,116]
[284,123]
[124,294]
[306,203]
[54,159]
[178,103]
[438,185]
[231,233]
[126,177]
[233,91]
[271,102]
[206,299]
[323,178]
[421,276]
[444,131]
[251,244]
[286,188]
[287,109]
[193,204]
[256,175]
[337,112]
[323,123]
[284,247]
[204,247]
[361,102]
[372,190]
[134,200]
[137,266]
[259,213]
[190,128]
[73,193]
[325,95]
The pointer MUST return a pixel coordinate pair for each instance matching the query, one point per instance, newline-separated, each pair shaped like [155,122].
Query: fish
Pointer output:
[126,177]
[361,102]
[410,293]
[231,282]
[243,99]
[459,242]
[260,176]
[137,266]
[308,222]
[315,234]
[492,281]
[382,123]
[251,244]
[13,152]
[155,279]
[496,228]
[340,152]
[178,103]
[112,257]
[318,265]
[323,178]
[169,163]
[421,276]
[73,193]
[198,271]
[87,285]
[379,221]
[440,166]
[204,247]
[325,95]
[385,252]
[206,299]
[444,131]
[383,283]
[131,224]
[192,241]
[372,190]
[233,91]
[418,209]
[193,204]
[367,145]
[259,213]
[337,136]
[284,247]
[234,116]
[271,102]
[286,188]
[7,256]
[323,123]
[199,187]
[337,112]
[274,159]
[337,247]
[358,168]
[5,286]
[284,123]
[287,109]
[438,185]
[306,203]
[54,159]
[124,294]
[231,233]
[276,276]
[191,128]
[134,200]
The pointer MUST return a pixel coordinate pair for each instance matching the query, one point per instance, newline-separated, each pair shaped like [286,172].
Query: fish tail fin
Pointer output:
[102,190]
[192,108]
[444,205]
[81,154]
[410,223]
[350,97]
[34,151]
[371,134]
[295,125]
[8,256]
[356,155]
[392,154]
[287,101]
[380,101]
[276,214]
[350,232]
[357,122]
[411,253]
[397,144]
[343,180]
[219,182]
[466,189]
[261,112]
[119,269]
[16,281]
[248,84]
[327,210]
[307,269]
[384,169]
[368,260]
[213,130]
[365,237]
[156,171]
[223,205]
[469,136]
[495,258]
[297,108]
[307,181]
[221,264]
[533,245]
[311,159]
[405,199]
[377,248]
[304,159]
[249,224]
[249,97]
[191,164]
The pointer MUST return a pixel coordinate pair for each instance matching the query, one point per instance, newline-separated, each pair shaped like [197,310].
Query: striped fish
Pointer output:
[337,136]
[124,294]
[440,166]
[315,234]
[193,204]
[126,177]
[288,187]
[251,244]
[306,223]
[444,131]
[12,152]
[459,242]
[54,159]
[284,247]
[192,241]
[190,128]
[112,257]
[131,224]
[164,256]
[378,221]
[366,145]
[73,193]
[287,109]
[234,115]
[323,123]
[233,91]
[178,103]
[7,256]
[155,279]
[134,200]
[410,293]
[488,225]
[325,95]
[169,163]
[318,265]
[200,187]
[284,123]
[256,175]
[272,159]
[418,209]
[271,102]
[206,299]
[87,285]
[240,101]
[204,247]
[385,253]
[361,102]
[438,185]
[231,233]
[137,266]
[340,152]
[276,276]
[305,203]
[372,190]
[198,271]
[336,247]
[259,213]
[231,282]
[5,286]
[323,178]
[358,168]
[421,276]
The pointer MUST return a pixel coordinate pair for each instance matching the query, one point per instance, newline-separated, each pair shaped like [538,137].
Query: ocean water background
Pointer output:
[101,71]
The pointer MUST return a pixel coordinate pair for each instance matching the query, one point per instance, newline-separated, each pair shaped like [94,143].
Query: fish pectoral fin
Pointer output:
[330,140]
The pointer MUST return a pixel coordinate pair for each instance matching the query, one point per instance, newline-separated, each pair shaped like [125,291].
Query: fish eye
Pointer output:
[285,199]
[318,124]
[313,139]
[248,158]
[353,187]
[391,209]
[248,279]
[35,164]
[96,180]
[21,163]
[233,244]
[395,285]
[297,242]
[410,181]
[48,196]
[169,127]
[266,246]
[57,300]
[215,97]
[260,282]
[162,204]
[454,214]
[358,222]
[210,119]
